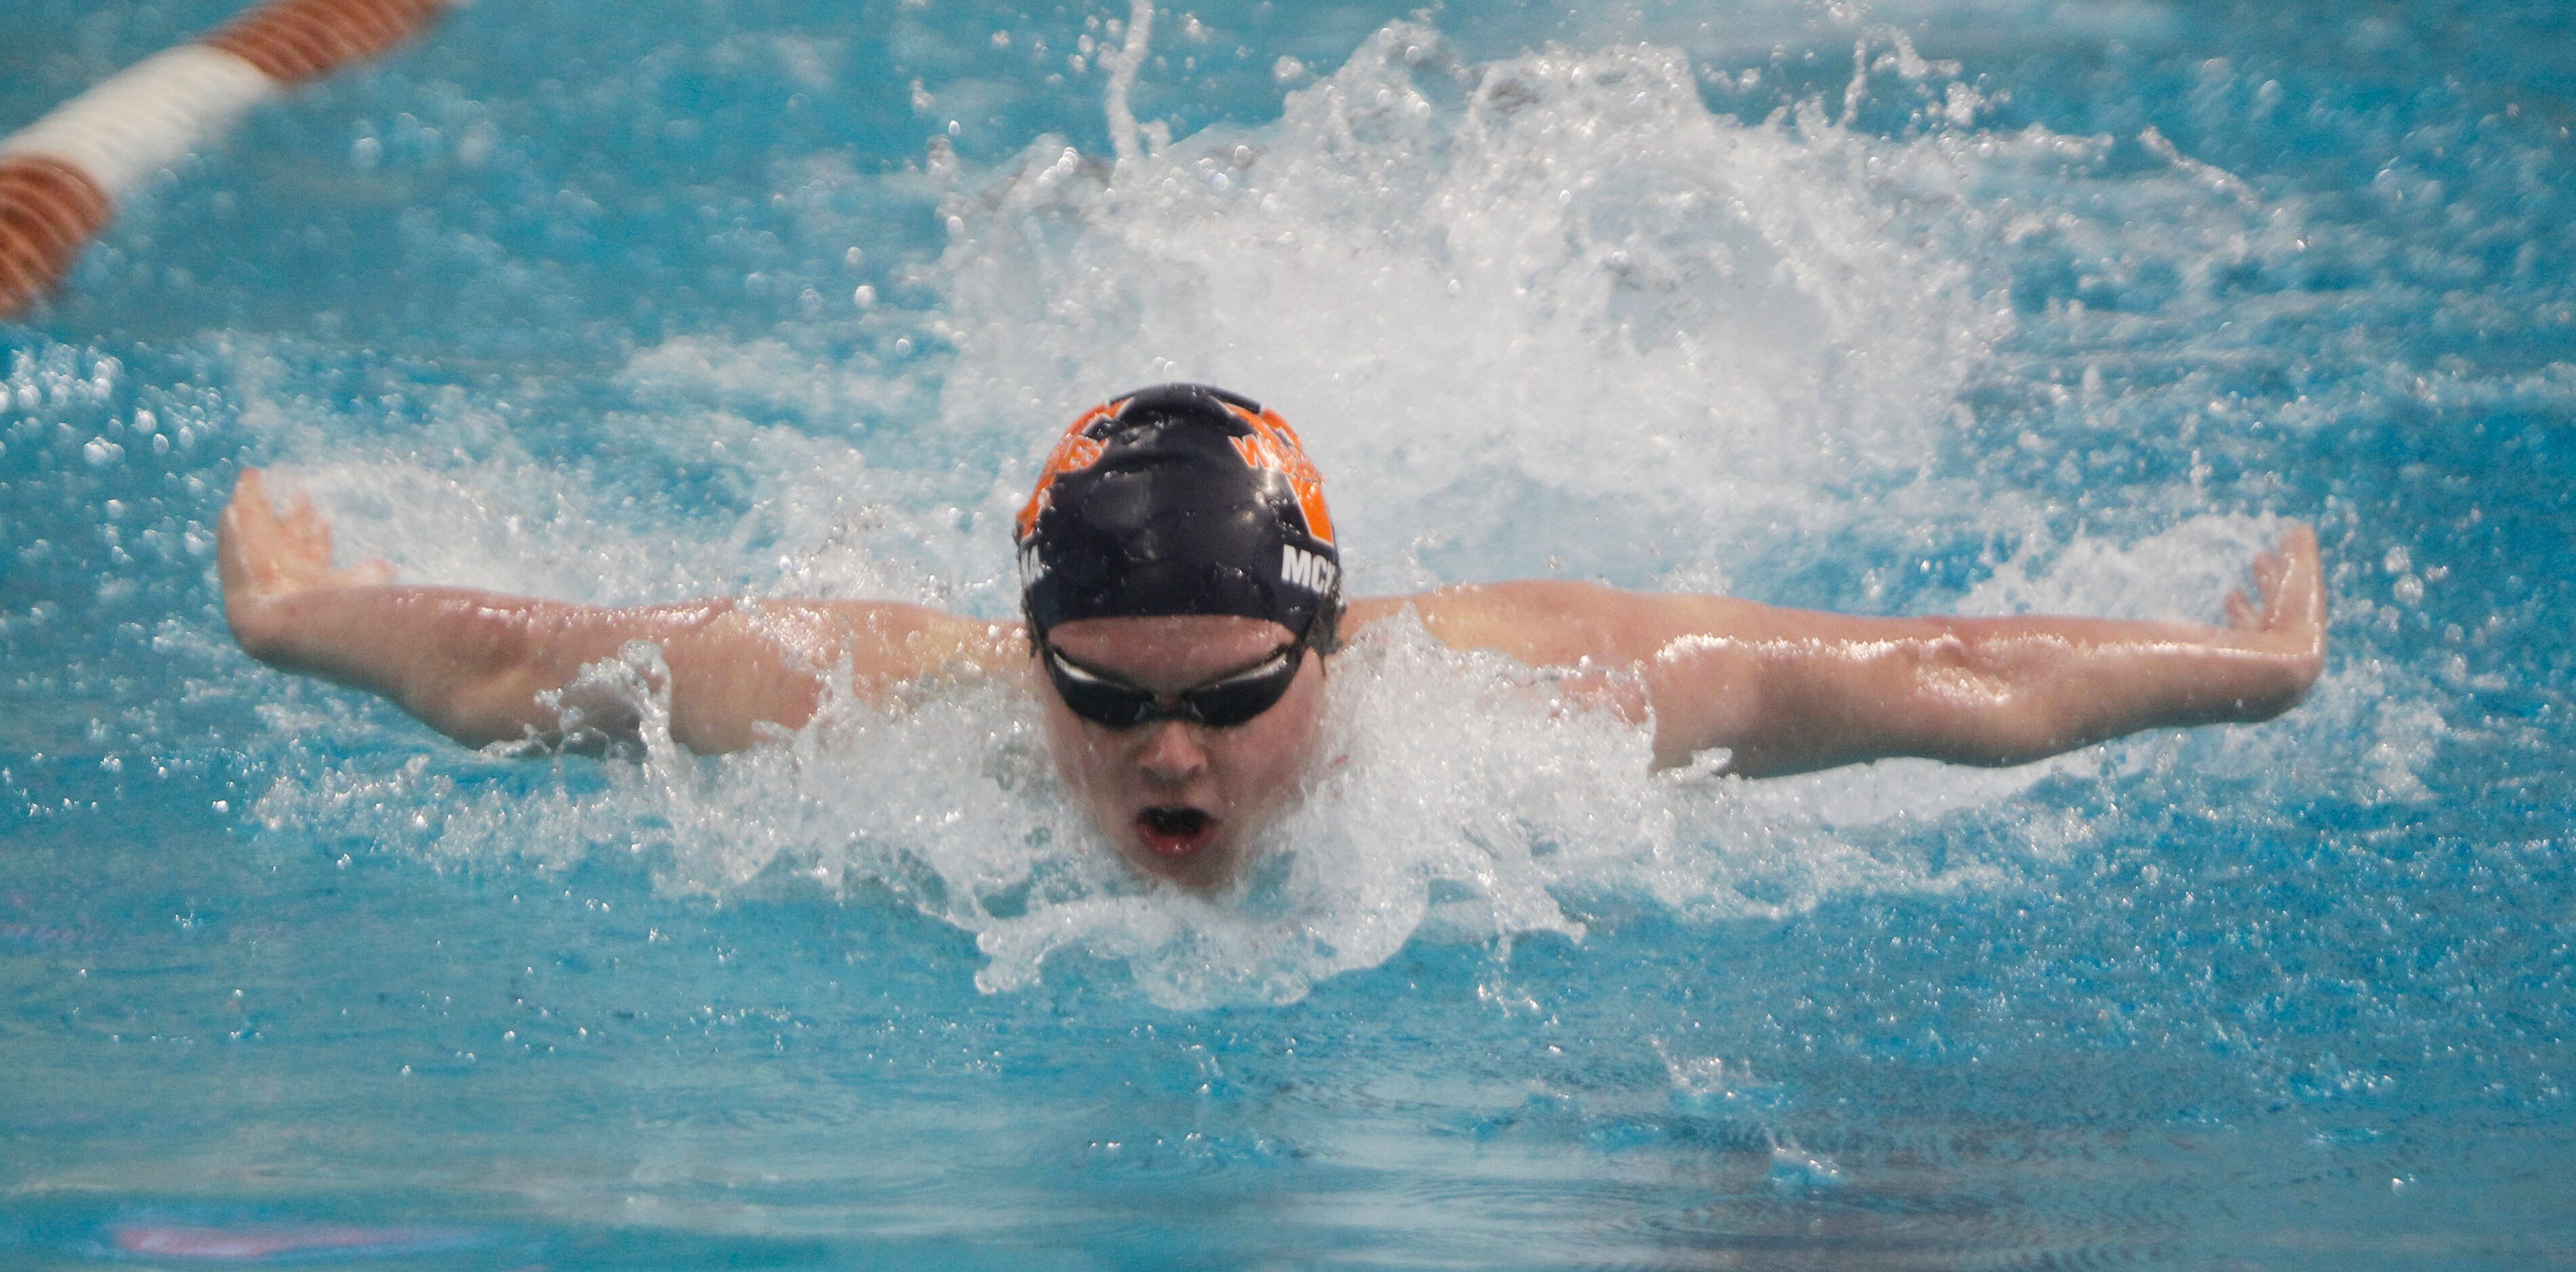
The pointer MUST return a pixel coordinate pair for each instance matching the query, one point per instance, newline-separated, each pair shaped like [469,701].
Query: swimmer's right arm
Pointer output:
[479,666]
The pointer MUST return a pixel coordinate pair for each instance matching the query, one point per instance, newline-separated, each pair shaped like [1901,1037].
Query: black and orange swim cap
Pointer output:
[1180,499]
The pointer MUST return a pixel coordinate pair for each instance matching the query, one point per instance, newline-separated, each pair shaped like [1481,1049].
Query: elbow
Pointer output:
[480,689]
[1975,709]
[480,715]
[508,708]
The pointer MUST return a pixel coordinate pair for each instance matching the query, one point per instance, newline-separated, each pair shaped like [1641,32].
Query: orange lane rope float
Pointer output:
[62,176]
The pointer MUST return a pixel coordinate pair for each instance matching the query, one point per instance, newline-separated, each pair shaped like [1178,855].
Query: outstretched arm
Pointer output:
[476,665]
[1787,691]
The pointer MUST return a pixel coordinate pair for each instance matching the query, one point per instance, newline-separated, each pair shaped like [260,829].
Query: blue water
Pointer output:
[1929,307]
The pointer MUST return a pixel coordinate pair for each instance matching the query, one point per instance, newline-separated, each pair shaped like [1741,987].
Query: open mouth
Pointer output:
[1175,831]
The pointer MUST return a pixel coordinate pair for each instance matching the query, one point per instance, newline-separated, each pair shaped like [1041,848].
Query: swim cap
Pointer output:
[1180,499]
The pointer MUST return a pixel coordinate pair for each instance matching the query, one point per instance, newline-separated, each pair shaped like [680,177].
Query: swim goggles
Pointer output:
[1221,703]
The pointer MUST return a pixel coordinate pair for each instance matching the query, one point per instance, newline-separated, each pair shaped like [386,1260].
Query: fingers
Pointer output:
[2269,567]
[2289,582]
[2285,613]
[243,534]
[251,489]
[2293,620]
[306,532]
[250,513]
[264,551]
[244,555]
[2299,598]
[248,507]
[286,540]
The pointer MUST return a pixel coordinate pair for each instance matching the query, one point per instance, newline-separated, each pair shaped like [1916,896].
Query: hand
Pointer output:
[263,557]
[2291,617]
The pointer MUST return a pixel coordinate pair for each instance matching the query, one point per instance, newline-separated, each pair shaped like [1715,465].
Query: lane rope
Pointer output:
[62,176]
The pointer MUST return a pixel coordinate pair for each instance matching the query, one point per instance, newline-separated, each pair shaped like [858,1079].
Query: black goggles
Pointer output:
[1219,703]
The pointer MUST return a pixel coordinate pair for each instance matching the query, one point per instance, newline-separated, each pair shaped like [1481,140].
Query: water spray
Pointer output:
[1123,133]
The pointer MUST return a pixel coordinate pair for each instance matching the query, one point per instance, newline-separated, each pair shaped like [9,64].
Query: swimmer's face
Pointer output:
[1181,799]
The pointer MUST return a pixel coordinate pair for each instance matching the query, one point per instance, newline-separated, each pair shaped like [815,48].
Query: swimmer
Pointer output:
[1181,602]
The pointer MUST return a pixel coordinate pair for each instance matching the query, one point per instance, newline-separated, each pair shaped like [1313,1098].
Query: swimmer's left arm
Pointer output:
[1788,691]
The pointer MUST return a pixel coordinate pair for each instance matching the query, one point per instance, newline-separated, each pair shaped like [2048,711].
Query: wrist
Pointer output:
[256,625]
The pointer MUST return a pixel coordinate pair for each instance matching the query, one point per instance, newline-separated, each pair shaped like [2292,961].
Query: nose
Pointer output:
[1172,754]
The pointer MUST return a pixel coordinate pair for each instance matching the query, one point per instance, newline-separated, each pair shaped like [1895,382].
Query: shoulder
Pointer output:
[884,641]
[1481,603]
[1565,622]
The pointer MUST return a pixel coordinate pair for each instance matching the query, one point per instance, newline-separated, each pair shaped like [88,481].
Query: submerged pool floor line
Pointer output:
[62,176]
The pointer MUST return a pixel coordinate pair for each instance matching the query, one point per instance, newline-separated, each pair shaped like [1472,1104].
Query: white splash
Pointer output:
[1459,799]
[1544,315]
[1549,307]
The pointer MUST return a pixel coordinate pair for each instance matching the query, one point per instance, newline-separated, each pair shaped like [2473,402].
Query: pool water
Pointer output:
[1921,307]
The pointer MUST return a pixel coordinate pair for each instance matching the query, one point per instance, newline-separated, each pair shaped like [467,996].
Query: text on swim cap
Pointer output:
[1306,570]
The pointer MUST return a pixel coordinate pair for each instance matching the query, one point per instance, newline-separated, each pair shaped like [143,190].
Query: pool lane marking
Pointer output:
[62,176]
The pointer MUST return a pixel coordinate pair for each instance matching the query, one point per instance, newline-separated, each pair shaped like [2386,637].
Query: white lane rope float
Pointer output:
[62,176]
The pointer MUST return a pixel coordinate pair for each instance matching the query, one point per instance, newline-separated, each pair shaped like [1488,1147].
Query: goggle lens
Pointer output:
[1220,704]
